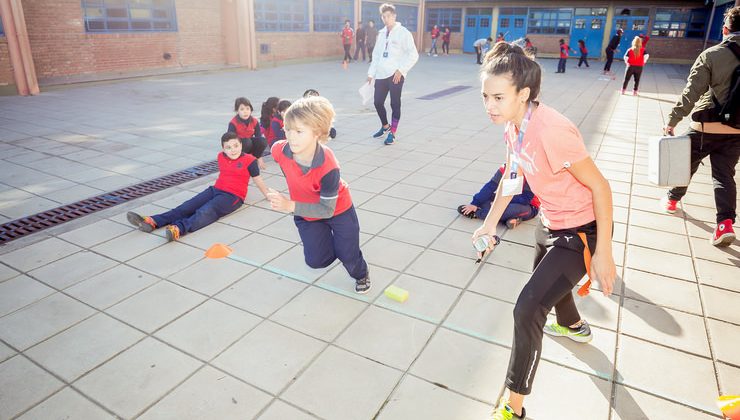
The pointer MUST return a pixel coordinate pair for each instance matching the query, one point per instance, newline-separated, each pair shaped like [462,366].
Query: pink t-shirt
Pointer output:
[551,143]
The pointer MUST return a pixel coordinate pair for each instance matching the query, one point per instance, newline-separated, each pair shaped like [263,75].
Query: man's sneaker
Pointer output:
[390,139]
[380,133]
[668,205]
[173,232]
[143,223]
[362,286]
[504,412]
[582,334]
[724,235]
[512,223]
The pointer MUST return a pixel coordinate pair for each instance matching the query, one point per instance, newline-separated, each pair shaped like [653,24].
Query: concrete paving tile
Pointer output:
[167,260]
[593,393]
[130,245]
[210,394]
[427,300]
[725,341]
[216,233]
[387,174]
[66,404]
[595,358]
[81,348]
[27,207]
[703,249]
[599,310]
[261,292]
[284,229]
[411,231]
[210,276]
[632,404]
[455,242]
[386,337]
[443,268]
[415,398]
[463,364]
[388,205]
[73,269]
[253,218]
[483,317]
[659,262]
[6,352]
[638,360]
[499,282]
[664,326]
[7,273]
[655,239]
[662,291]
[729,378]
[319,313]
[270,356]
[371,222]
[72,194]
[292,262]
[155,306]
[41,320]
[389,253]
[341,385]
[280,411]
[667,223]
[408,192]
[259,248]
[509,254]
[39,254]
[138,377]
[19,292]
[24,384]
[338,280]
[208,329]
[721,304]
[110,287]
[435,215]
[701,213]
[371,185]
[446,199]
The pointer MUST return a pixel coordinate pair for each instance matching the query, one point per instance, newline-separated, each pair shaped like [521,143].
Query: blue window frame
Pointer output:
[550,21]
[129,15]
[680,23]
[329,15]
[444,18]
[407,15]
[281,15]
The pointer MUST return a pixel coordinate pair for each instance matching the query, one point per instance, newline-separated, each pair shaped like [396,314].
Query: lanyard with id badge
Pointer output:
[515,184]
[387,34]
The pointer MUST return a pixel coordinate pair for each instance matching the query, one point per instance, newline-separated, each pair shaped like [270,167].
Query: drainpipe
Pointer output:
[16,61]
[25,46]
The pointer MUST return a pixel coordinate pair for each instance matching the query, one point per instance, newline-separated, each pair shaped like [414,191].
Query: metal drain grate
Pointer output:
[444,92]
[40,221]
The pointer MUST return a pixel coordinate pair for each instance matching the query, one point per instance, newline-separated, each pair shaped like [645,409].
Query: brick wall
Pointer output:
[6,70]
[549,44]
[673,49]
[456,40]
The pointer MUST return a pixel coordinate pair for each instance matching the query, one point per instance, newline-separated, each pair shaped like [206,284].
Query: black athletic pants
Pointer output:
[558,266]
[723,151]
[382,87]
[254,146]
[609,59]
[347,55]
[632,70]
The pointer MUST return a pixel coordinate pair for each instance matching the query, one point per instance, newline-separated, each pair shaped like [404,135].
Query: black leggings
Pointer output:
[382,87]
[254,146]
[558,266]
[347,55]
[445,47]
[632,70]
[583,60]
[609,59]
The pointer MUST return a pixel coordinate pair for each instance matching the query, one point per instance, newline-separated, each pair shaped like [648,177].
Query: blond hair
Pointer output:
[636,45]
[315,112]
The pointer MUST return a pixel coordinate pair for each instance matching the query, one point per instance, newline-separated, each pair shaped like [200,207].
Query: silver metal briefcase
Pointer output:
[669,161]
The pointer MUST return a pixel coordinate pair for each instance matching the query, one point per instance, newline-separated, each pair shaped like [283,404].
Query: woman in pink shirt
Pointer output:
[575,214]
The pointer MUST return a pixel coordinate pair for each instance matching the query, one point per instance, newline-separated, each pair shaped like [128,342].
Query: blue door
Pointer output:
[591,30]
[476,27]
[632,26]
[514,27]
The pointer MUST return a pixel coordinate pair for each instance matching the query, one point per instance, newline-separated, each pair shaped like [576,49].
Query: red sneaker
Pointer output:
[173,232]
[724,235]
[668,205]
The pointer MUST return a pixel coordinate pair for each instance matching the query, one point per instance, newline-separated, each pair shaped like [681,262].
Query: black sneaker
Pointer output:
[143,223]
[380,133]
[362,286]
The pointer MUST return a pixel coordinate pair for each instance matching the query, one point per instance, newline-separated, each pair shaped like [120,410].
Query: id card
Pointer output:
[511,187]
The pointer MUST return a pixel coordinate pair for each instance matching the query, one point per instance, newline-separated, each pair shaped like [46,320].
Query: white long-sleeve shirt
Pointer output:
[402,53]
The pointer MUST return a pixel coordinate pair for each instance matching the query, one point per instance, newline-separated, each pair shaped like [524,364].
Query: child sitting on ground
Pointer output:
[523,206]
[276,123]
[319,197]
[268,108]
[248,129]
[314,92]
[225,196]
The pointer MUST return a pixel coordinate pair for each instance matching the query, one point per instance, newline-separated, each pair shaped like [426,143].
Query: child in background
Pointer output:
[314,92]
[268,108]
[635,59]
[319,197]
[446,41]
[523,206]
[529,48]
[584,53]
[434,34]
[248,129]
[564,49]
[276,123]
[225,196]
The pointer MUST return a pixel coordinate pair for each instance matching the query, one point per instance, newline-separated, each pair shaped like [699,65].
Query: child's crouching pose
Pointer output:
[319,197]
[247,128]
[227,195]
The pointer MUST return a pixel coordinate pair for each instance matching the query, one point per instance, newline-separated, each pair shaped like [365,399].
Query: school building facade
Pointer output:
[62,41]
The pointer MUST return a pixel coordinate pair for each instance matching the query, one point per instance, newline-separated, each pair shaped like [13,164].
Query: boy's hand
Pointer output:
[468,208]
[280,202]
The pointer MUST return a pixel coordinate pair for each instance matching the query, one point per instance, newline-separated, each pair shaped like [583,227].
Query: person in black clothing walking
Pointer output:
[371,35]
[360,36]
[613,44]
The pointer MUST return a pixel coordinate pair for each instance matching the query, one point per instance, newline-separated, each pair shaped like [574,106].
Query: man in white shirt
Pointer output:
[481,46]
[394,55]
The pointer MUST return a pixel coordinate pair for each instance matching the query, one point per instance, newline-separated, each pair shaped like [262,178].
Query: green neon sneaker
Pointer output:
[582,334]
[504,412]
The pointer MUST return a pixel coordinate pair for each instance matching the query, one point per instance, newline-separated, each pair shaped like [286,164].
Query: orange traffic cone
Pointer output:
[218,251]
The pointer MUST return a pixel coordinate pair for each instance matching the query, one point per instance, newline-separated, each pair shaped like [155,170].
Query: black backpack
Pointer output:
[729,112]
